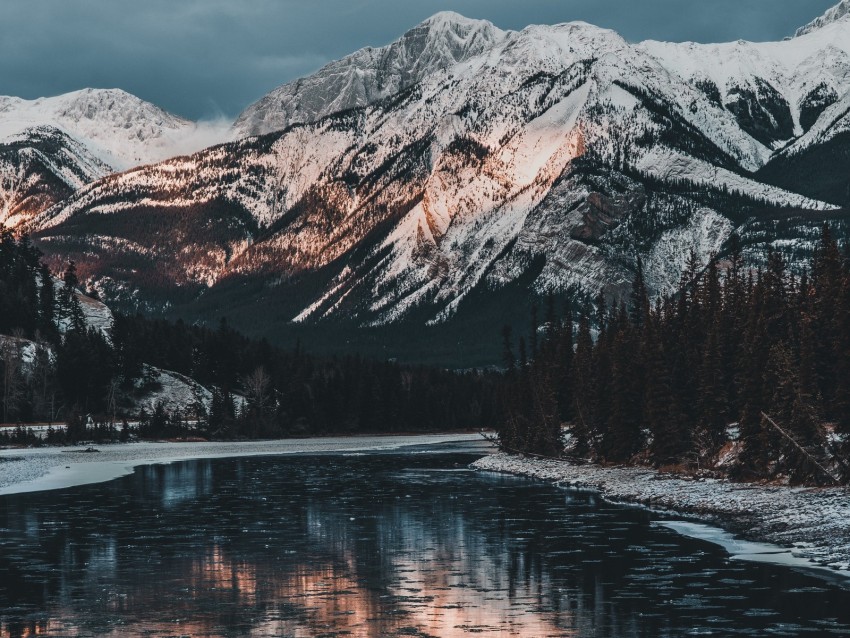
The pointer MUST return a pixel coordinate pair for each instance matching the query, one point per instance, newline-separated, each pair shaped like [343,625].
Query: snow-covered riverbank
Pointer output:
[40,469]
[814,523]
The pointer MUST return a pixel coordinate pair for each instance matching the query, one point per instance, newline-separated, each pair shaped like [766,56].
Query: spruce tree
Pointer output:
[584,386]
[667,431]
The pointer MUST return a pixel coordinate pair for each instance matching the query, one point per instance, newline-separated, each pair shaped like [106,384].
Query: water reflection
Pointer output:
[373,546]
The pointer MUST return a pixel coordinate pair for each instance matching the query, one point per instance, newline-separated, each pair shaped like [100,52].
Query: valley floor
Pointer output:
[41,469]
[814,522]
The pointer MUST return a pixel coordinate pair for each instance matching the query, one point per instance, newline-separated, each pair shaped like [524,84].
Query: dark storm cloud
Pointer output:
[201,58]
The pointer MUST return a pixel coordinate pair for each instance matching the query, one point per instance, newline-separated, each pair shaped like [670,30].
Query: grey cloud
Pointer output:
[203,58]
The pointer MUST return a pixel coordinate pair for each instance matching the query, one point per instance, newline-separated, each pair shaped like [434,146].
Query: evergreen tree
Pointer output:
[762,348]
[667,432]
[70,313]
[583,379]
[639,299]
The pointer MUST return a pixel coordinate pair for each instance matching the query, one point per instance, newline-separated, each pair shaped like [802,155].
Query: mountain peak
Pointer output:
[444,39]
[451,18]
[445,22]
[368,75]
[120,129]
[841,11]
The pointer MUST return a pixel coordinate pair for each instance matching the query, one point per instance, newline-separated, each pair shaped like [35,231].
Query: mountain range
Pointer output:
[444,180]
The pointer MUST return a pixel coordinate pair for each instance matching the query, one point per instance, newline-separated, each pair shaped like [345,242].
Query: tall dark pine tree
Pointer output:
[622,438]
[70,313]
[753,363]
[713,407]
[668,431]
[47,304]
[583,391]
[639,299]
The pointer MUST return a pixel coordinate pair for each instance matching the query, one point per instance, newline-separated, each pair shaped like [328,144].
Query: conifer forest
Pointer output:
[56,368]
[741,373]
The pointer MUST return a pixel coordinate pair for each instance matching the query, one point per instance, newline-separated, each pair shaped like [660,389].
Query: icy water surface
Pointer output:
[375,545]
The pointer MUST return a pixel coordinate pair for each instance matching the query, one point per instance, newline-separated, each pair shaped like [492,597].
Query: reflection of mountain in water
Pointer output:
[369,546]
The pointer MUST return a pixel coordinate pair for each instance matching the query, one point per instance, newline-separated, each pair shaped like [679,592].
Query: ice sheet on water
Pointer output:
[740,549]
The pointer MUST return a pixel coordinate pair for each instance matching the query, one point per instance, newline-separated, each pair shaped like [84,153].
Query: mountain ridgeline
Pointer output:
[390,200]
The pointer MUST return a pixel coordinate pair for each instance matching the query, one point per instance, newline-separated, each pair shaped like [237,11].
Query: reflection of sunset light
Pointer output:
[431,594]
[447,605]
[409,567]
[216,572]
[31,629]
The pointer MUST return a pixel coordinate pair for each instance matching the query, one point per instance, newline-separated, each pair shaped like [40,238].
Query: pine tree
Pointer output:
[639,299]
[70,313]
[712,392]
[584,382]
[532,337]
[47,304]
[622,438]
[508,358]
[669,441]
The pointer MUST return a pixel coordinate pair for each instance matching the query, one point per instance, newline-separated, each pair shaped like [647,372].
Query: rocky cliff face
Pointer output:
[370,75]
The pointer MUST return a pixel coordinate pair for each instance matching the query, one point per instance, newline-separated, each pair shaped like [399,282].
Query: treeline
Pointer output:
[55,368]
[291,392]
[743,372]
[26,290]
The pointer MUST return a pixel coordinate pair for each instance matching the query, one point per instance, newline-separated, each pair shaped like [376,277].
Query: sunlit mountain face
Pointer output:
[463,167]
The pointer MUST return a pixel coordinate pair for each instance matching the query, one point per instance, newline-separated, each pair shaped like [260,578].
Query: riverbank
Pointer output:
[813,522]
[50,468]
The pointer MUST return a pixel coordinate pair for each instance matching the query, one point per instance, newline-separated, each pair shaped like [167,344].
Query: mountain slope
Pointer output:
[479,163]
[39,168]
[818,163]
[776,90]
[51,147]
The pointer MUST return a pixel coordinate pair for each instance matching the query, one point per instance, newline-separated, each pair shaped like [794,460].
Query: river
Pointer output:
[377,544]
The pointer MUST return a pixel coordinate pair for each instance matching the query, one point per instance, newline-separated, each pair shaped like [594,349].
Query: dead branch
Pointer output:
[801,449]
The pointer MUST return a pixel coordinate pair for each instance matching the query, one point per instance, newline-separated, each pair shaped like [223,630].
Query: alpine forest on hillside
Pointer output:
[742,373]
[53,367]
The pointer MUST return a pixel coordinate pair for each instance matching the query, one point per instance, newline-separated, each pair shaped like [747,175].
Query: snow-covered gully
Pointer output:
[805,527]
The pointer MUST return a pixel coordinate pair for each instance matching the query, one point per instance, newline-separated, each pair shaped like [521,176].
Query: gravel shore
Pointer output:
[814,523]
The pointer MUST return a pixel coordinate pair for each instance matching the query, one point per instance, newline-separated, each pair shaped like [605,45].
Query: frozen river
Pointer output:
[396,543]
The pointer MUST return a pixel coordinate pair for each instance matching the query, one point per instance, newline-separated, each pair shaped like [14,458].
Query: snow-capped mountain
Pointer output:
[370,74]
[776,90]
[836,13]
[50,147]
[40,167]
[119,129]
[463,161]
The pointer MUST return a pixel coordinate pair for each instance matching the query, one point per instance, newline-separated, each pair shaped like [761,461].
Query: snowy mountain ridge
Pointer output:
[462,158]
[740,71]
[463,162]
[120,129]
[836,13]
[40,167]
[93,133]
[370,74]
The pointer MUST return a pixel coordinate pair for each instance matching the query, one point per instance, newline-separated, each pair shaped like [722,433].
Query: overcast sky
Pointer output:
[206,58]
